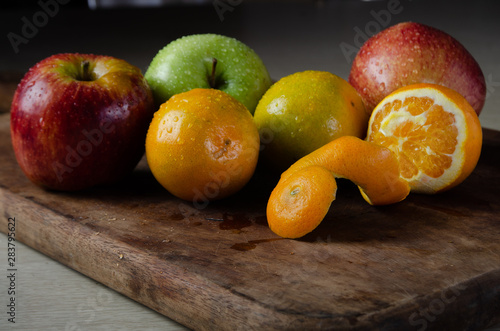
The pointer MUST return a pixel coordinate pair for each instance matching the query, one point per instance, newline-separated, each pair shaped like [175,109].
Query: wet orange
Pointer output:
[202,145]
[299,203]
[434,132]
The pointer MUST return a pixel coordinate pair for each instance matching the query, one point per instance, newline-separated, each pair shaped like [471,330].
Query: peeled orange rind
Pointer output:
[433,131]
[374,168]
[298,204]
[306,190]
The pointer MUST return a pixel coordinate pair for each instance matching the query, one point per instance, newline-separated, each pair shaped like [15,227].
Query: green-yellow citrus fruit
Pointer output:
[304,111]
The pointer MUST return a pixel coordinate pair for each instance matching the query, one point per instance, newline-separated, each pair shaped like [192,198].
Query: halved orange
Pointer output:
[434,132]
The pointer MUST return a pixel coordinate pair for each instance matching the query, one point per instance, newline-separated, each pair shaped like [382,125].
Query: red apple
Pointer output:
[80,120]
[409,53]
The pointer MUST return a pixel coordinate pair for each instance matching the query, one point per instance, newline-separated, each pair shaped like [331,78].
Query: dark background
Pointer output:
[289,36]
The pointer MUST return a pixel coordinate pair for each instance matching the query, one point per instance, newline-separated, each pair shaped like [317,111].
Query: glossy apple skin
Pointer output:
[186,63]
[70,134]
[409,53]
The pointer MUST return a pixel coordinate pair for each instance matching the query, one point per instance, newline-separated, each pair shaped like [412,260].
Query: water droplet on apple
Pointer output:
[410,59]
[415,71]
[381,87]
[380,72]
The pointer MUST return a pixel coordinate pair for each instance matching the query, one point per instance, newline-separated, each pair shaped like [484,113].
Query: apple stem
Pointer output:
[86,75]
[212,77]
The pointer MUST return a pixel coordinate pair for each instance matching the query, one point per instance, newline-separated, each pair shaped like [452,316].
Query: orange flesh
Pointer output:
[424,143]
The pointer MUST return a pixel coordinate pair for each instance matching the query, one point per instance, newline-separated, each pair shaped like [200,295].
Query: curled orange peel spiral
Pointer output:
[373,168]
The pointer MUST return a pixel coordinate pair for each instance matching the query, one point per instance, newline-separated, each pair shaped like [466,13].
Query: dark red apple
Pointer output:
[80,120]
[409,53]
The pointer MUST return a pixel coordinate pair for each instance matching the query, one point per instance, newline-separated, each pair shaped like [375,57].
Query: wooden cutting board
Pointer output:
[426,263]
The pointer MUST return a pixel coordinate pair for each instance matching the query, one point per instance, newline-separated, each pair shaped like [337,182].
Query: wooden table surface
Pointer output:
[52,296]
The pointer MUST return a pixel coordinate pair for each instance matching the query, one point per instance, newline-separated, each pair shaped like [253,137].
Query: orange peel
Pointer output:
[373,168]
[305,191]
[298,204]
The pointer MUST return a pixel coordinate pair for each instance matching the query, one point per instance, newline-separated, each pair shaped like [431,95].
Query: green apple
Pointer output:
[208,61]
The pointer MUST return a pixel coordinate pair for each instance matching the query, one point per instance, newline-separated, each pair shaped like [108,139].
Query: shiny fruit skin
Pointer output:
[304,111]
[410,53]
[187,63]
[70,134]
[202,145]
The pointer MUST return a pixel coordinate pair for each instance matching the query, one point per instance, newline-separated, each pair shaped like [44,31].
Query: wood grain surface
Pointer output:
[429,262]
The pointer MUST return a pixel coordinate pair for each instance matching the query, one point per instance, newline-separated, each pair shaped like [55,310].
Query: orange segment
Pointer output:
[433,131]
[298,204]
[374,168]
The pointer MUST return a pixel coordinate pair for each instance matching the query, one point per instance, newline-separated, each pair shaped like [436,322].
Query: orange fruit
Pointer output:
[373,168]
[434,132]
[305,110]
[202,145]
[298,204]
